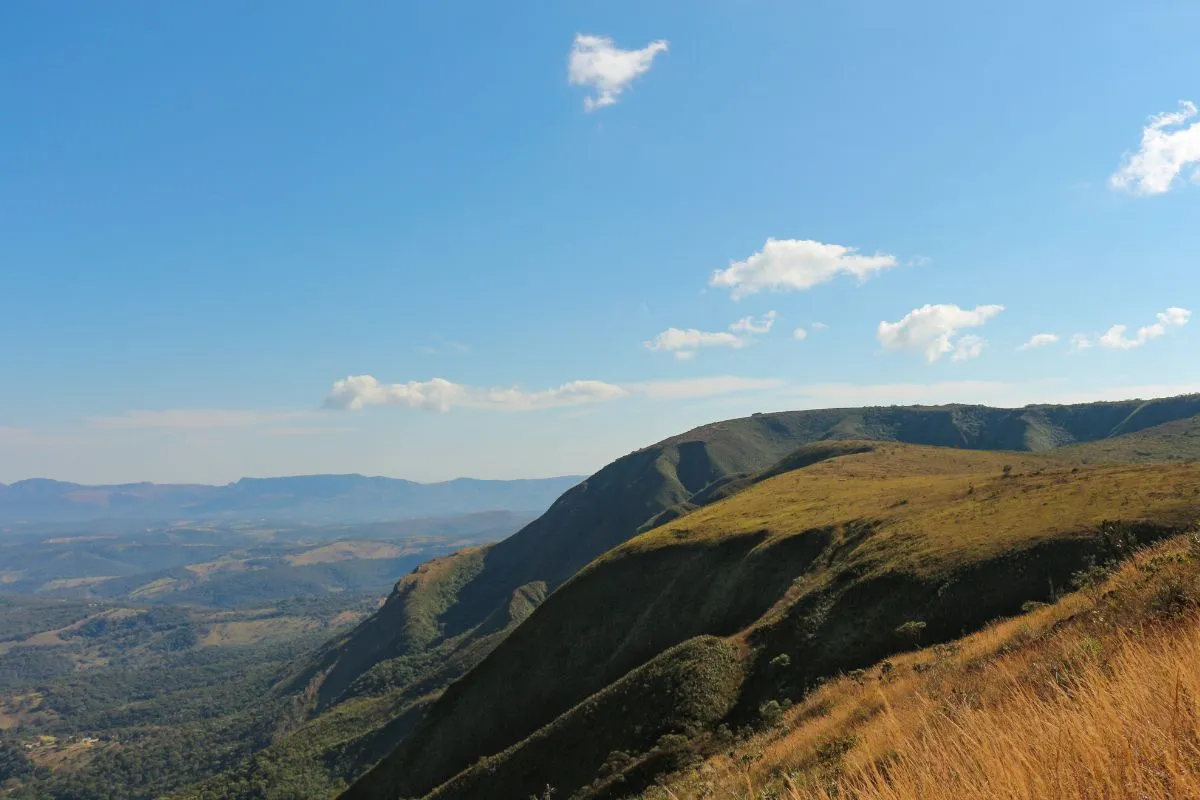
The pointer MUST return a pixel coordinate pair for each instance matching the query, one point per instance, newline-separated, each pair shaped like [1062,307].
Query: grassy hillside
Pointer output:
[656,483]
[1093,696]
[1178,440]
[820,565]
[450,614]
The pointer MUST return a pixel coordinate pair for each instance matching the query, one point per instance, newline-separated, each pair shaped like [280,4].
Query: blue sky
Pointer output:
[442,239]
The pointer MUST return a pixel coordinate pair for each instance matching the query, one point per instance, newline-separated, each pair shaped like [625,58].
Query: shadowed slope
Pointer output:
[445,618]
[822,563]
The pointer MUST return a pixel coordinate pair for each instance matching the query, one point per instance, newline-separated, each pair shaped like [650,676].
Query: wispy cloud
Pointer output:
[751,325]
[358,392]
[1040,340]
[685,343]
[598,63]
[934,329]
[1116,338]
[787,265]
[1169,146]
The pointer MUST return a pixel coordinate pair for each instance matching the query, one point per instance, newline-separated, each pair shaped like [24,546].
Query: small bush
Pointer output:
[911,630]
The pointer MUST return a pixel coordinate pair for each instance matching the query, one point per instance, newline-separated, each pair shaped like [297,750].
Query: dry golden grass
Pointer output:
[256,631]
[1096,696]
[344,551]
[937,508]
[1125,726]
[73,583]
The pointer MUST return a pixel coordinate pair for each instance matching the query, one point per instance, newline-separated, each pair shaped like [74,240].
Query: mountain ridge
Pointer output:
[450,614]
[309,498]
[814,563]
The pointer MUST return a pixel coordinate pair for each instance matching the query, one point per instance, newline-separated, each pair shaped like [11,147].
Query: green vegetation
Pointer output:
[114,701]
[762,554]
[819,563]
[1088,692]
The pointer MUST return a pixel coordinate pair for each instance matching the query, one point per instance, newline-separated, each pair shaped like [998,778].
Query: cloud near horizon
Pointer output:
[598,63]
[359,391]
[1115,338]
[1168,148]
[796,265]
[933,330]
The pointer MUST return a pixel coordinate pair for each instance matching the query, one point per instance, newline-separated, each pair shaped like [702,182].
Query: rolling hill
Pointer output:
[369,690]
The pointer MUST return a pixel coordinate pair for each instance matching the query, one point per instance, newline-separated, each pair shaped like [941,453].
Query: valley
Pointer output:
[679,604]
[137,656]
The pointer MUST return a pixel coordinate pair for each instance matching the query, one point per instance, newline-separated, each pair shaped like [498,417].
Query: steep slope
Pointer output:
[674,475]
[1095,695]
[447,616]
[1178,440]
[820,564]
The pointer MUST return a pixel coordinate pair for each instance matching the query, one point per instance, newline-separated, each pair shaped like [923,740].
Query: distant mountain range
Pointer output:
[302,498]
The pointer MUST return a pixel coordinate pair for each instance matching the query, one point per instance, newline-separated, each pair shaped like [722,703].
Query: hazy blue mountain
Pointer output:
[308,498]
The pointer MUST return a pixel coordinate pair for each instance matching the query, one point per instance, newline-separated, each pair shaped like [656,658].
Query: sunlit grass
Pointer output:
[937,508]
[1095,696]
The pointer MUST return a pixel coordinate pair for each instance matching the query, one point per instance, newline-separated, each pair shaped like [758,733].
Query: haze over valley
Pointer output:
[600,401]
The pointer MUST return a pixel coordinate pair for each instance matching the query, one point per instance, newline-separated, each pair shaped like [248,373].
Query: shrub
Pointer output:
[911,630]
[771,712]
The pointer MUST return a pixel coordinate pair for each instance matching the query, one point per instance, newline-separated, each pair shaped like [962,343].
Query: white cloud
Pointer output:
[968,347]
[1040,340]
[796,265]
[752,325]
[1115,338]
[819,326]
[358,392]
[685,343]
[598,63]
[1168,148]
[1081,341]
[933,330]
[1175,316]
[800,334]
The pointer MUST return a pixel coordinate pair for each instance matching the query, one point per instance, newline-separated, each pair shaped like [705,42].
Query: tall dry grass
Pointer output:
[1125,725]
[1096,696]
